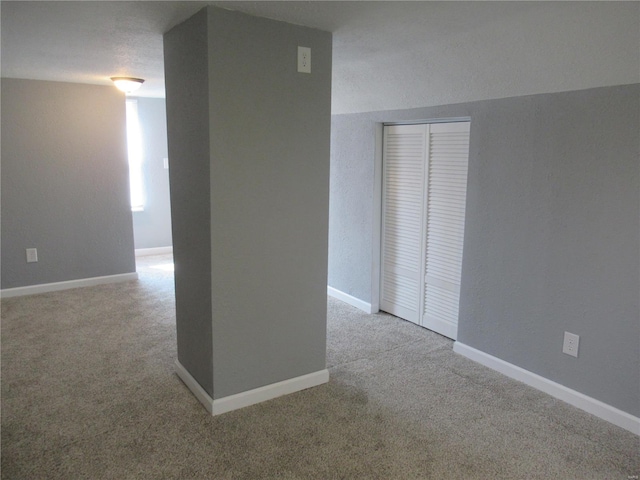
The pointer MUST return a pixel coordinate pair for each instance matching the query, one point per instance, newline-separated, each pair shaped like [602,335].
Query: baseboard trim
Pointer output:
[269,392]
[193,385]
[346,298]
[250,397]
[572,397]
[143,252]
[56,286]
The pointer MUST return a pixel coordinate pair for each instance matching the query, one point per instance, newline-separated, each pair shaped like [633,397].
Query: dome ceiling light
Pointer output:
[127,84]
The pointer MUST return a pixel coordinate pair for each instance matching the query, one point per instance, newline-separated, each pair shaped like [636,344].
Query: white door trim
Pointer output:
[376,241]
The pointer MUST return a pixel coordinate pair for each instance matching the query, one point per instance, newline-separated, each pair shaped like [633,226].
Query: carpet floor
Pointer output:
[89,392]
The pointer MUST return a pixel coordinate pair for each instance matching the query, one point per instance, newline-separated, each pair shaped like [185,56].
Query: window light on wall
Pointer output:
[134,149]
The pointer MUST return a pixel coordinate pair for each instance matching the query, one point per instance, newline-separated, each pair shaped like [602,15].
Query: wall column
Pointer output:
[249,174]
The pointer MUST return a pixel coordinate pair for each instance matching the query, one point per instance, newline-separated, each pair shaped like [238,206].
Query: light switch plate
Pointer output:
[32,255]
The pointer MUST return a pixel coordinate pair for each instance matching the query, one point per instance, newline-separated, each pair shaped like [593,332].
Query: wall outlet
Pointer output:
[571,343]
[32,255]
[304,60]
[165,163]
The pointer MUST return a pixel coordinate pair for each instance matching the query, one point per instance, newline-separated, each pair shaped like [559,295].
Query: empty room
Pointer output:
[394,240]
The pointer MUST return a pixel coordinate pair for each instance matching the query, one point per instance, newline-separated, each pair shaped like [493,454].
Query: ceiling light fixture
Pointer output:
[127,84]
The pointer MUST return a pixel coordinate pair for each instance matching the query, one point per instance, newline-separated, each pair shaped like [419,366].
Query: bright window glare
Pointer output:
[134,148]
[167,267]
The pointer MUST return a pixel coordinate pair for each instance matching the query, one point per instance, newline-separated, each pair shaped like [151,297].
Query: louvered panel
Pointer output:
[450,150]
[402,211]
[443,235]
[403,220]
[454,207]
[444,270]
[440,240]
[451,195]
[450,222]
[443,300]
[446,227]
[395,262]
[442,304]
[443,205]
[446,246]
[449,256]
[401,207]
[400,292]
[453,216]
[400,245]
[446,198]
[408,193]
[453,152]
[401,232]
[454,171]
[448,185]
[397,252]
[401,199]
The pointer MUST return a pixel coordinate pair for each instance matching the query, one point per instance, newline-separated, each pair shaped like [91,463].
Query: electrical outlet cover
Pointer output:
[304,60]
[571,343]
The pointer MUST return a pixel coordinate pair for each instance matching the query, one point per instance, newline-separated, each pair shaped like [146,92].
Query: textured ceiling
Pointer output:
[88,42]
[387,54]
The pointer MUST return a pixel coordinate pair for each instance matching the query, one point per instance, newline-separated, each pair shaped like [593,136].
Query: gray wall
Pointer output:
[187,90]
[270,135]
[65,182]
[265,196]
[552,231]
[152,227]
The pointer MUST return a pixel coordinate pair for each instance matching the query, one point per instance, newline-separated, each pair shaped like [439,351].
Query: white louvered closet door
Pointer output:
[446,194]
[404,156]
[424,195]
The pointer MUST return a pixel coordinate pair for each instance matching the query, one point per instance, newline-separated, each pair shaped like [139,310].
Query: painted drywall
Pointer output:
[454,52]
[264,193]
[65,183]
[152,226]
[187,97]
[552,231]
[270,136]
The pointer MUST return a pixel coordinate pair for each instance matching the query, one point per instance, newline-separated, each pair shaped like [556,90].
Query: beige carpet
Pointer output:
[89,391]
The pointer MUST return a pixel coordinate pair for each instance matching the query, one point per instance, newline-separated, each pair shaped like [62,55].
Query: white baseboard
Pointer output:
[54,287]
[346,298]
[268,392]
[250,397]
[192,384]
[572,397]
[143,252]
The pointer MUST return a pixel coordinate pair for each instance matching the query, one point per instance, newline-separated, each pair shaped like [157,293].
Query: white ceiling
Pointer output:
[387,54]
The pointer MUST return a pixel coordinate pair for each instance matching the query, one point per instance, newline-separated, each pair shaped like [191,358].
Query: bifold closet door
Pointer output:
[424,195]
[404,157]
[446,195]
